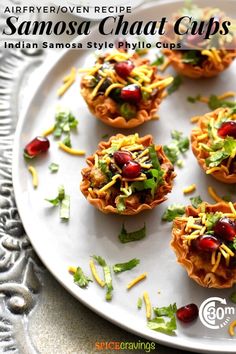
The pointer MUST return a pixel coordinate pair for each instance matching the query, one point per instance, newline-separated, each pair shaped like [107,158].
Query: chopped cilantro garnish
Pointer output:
[101,261]
[81,279]
[191,57]
[178,145]
[153,156]
[107,276]
[233,297]
[65,208]
[65,122]
[105,169]
[121,204]
[193,99]
[215,102]
[63,201]
[196,201]
[173,211]
[180,163]
[53,167]
[105,136]
[211,220]
[168,311]
[160,59]
[59,198]
[175,84]
[227,197]
[122,267]
[139,303]
[137,235]
[154,178]
[228,148]
[165,321]
[233,244]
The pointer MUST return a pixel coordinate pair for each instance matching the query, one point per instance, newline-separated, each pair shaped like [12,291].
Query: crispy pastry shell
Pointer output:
[132,208]
[201,155]
[208,69]
[198,268]
[106,109]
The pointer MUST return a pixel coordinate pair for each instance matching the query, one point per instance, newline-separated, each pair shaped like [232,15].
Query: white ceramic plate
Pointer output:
[91,232]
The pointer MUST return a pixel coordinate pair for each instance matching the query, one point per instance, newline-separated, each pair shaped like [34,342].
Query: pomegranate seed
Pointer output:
[187,313]
[37,146]
[207,243]
[225,229]
[131,169]
[227,129]
[131,93]
[124,68]
[122,157]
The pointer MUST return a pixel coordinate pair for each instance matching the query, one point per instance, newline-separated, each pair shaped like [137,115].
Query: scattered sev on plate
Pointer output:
[34,174]
[136,280]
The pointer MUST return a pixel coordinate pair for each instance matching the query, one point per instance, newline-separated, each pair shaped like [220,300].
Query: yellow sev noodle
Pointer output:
[70,150]
[147,302]
[136,280]
[95,274]
[214,195]
[231,328]
[68,81]
[34,174]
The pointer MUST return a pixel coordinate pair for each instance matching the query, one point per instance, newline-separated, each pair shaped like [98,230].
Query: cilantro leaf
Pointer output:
[107,276]
[122,267]
[139,303]
[155,179]
[211,220]
[105,136]
[173,211]
[53,167]
[153,156]
[168,311]
[215,102]
[228,148]
[178,145]
[160,59]
[192,99]
[81,279]
[120,206]
[137,235]
[192,57]
[175,84]
[65,122]
[65,208]
[195,201]
[105,169]
[160,322]
[61,195]
[101,261]
[63,201]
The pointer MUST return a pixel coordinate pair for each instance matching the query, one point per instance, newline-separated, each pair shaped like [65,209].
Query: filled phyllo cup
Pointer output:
[214,144]
[204,241]
[201,55]
[126,175]
[123,90]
